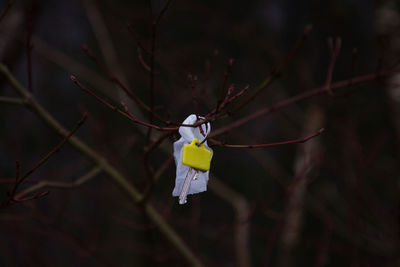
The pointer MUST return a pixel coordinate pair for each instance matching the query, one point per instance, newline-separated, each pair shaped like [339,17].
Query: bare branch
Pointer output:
[61,185]
[113,173]
[5,11]
[11,100]
[277,71]
[302,96]
[29,45]
[223,85]
[192,81]
[114,108]
[334,53]
[296,141]
[137,40]
[163,10]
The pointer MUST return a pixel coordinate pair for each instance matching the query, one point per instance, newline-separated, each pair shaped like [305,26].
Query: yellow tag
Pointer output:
[198,157]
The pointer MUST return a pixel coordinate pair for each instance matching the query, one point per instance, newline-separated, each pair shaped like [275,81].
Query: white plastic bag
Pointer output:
[187,134]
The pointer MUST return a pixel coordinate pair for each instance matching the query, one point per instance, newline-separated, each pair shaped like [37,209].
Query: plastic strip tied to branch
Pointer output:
[192,159]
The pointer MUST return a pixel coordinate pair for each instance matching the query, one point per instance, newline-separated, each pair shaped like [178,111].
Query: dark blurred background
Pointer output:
[332,201]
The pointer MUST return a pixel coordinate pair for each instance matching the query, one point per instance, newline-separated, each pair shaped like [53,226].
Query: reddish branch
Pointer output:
[129,92]
[223,85]
[353,65]
[126,114]
[302,96]
[141,60]
[5,11]
[227,100]
[192,81]
[155,23]
[136,37]
[334,53]
[296,141]
[278,70]
[153,177]
[114,79]
[130,116]
[18,181]
[29,45]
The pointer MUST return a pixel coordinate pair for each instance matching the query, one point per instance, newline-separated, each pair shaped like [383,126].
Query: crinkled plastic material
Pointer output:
[187,134]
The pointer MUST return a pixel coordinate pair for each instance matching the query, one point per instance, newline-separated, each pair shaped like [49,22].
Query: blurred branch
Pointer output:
[154,25]
[103,37]
[296,141]
[306,95]
[278,70]
[228,99]
[239,203]
[146,161]
[163,10]
[114,79]
[223,85]
[5,11]
[334,53]
[19,181]
[137,40]
[129,115]
[61,185]
[305,162]
[57,148]
[102,163]
[11,100]
[29,44]
[126,114]
[141,60]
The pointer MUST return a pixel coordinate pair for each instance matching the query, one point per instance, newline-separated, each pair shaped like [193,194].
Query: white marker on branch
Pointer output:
[192,159]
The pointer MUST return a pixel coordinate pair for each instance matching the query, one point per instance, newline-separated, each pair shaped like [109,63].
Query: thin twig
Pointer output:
[163,10]
[137,40]
[353,66]
[242,224]
[296,141]
[153,177]
[34,196]
[114,108]
[129,116]
[192,81]
[19,181]
[228,99]
[163,168]
[299,97]
[29,45]
[61,185]
[277,71]
[11,100]
[334,53]
[49,155]
[152,81]
[141,60]
[224,80]
[113,173]
[154,24]
[114,79]
[147,153]
[5,11]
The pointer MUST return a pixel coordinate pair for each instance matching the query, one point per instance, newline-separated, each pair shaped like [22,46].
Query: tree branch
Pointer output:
[296,141]
[19,181]
[11,100]
[126,114]
[301,96]
[102,163]
[5,11]
[277,71]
